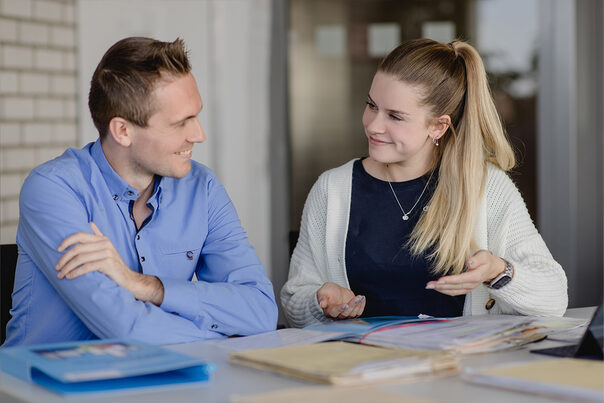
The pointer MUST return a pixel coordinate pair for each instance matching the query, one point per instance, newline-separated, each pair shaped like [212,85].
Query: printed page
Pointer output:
[277,338]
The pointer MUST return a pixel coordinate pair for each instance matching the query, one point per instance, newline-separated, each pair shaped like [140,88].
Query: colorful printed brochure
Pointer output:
[102,365]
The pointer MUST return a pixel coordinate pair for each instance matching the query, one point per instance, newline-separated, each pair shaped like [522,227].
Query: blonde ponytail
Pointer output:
[454,83]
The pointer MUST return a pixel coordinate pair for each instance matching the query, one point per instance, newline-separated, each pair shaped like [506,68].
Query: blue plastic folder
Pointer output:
[102,365]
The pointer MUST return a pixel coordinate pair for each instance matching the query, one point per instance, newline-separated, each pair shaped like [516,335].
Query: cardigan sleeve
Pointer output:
[307,270]
[539,285]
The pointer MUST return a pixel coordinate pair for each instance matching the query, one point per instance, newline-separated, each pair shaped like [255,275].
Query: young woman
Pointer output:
[429,222]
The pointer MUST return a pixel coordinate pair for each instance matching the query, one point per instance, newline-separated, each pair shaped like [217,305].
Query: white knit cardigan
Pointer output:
[503,226]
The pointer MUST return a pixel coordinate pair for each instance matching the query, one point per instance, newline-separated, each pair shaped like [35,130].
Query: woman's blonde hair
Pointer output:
[452,80]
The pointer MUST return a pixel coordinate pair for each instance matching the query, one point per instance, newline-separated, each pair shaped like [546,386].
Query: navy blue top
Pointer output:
[378,264]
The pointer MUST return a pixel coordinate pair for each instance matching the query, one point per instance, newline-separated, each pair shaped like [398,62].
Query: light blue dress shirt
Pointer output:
[193,229]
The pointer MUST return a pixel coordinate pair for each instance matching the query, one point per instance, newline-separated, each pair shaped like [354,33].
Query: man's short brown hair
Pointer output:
[123,82]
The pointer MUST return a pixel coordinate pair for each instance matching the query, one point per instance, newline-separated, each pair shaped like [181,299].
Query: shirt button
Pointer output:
[142,258]
[214,326]
[115,197]
[138,237]
[190,255]
[490,304]
[130,193]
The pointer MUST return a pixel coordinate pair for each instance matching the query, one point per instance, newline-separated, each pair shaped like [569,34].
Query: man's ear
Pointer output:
[120,130]
[439,126]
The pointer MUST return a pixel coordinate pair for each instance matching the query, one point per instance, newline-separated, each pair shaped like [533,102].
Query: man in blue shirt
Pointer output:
[111,235]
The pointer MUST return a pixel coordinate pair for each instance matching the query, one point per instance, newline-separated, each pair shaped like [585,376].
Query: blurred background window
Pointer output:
[336,45]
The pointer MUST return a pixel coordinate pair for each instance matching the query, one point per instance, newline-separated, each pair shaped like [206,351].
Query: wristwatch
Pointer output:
[503,278]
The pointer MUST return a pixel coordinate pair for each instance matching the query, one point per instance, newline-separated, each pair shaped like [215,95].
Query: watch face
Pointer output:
[501,282]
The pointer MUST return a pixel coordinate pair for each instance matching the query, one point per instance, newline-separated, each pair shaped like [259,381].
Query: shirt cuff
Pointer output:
[178,295]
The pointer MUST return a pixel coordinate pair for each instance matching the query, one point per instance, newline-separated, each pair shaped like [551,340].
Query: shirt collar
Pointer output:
[119,188]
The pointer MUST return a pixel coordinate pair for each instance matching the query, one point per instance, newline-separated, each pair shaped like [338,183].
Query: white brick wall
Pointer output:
[17,159]
[14,56]
[49,10]
[16,108]
[48,59]
[9,185]
[16,8]
[63,85]
[49,108]
[10,209]
[34,83]
[37,133]
[61,36]
[64,133]
[9,134]
[33,33]
[69,13]
[37,94]
[70,109]
[8,30]
[8,82]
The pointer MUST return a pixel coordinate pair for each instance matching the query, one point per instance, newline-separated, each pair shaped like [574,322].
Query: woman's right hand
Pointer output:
[339,302]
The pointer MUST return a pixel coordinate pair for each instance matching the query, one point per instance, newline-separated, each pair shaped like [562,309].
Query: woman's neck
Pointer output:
[396,171]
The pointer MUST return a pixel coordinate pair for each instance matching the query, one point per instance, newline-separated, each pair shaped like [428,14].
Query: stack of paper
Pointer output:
[567,378]
[344,363]
[471,334]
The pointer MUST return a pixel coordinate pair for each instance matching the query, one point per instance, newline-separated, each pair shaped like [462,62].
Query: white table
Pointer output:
[233,379]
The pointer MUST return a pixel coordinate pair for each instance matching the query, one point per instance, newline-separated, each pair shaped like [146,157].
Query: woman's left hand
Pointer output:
[482,267]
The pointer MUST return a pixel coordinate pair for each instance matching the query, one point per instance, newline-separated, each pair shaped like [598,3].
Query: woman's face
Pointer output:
[396,124]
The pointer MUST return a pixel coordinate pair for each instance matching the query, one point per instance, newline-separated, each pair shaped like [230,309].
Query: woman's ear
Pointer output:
[439,127]
[120,131]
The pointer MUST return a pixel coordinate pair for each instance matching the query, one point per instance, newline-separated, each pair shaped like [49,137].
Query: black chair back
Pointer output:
[8,264]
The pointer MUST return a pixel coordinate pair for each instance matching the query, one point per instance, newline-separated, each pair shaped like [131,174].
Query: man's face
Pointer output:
[165,146]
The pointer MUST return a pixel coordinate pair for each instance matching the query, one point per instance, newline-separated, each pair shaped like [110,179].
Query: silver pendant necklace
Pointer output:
[406,214]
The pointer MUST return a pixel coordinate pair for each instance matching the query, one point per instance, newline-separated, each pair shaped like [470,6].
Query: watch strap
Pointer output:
[503,278]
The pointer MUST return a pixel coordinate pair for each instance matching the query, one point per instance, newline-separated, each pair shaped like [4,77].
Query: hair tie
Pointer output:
[453,48]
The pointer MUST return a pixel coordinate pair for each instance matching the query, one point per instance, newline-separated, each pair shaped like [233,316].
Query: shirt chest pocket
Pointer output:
[179,261]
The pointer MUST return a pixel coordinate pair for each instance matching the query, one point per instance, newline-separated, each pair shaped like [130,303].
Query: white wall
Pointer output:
[229,48]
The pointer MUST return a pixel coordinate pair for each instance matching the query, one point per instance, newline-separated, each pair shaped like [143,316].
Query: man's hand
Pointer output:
[482,267]
[95,252]
[339,302]
[91,252]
